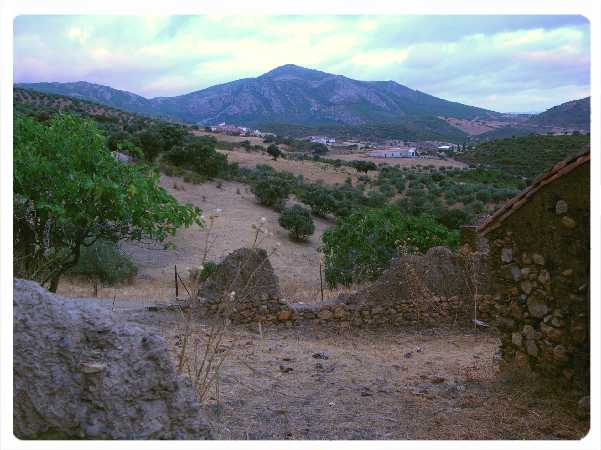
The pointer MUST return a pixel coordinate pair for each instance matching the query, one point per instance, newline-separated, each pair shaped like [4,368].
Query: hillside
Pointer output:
[526,156]
[574,114]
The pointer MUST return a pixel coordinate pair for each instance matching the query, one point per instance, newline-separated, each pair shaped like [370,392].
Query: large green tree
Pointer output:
[69,192]
[361,246]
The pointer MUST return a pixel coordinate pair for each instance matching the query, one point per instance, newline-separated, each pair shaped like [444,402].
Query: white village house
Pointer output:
[393,152]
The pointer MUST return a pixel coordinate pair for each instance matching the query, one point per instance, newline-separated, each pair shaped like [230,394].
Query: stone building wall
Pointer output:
[539,263]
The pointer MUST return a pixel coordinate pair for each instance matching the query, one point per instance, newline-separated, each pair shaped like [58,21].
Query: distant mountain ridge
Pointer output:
[572,114]
[289,94]
[301,100]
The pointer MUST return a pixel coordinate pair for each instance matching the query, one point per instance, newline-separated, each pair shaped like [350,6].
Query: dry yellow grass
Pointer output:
[312,171]
[402,162]
[227,138]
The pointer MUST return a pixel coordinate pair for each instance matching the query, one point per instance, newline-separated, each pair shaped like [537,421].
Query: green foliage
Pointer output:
[361,245]
[151,143]
[527,156]
[274,151]
[363,166]
[104,262]
[69,190]
[199,155]
[297,220]
[208,269]
[271,190]
[319,198]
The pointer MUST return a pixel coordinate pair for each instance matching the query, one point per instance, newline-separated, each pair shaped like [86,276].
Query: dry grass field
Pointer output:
[227,138]
[295,263]
[402,162]
[312,171]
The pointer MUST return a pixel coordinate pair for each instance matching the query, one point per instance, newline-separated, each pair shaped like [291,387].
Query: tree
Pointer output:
[363,166]
[151,143]
[274,151]
[199,155]
[271,190]
[70,192]
[319,149]
[297,220]
[361,245]
[319,198]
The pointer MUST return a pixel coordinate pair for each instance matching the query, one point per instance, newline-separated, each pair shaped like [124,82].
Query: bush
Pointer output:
[297,220]
[361,245]
[274,151]
[319,198]
[208,268]
[105,263]
[271,190]
[199,155]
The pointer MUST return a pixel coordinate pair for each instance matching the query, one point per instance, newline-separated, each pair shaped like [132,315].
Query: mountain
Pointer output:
[290,95]
[295,95]
[104,95]
[574,114]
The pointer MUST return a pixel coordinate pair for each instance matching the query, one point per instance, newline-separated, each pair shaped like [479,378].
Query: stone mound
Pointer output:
[438,273]
[80,374]
[247,272]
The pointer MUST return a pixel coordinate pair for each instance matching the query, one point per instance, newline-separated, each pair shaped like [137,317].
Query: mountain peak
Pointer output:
[294,71]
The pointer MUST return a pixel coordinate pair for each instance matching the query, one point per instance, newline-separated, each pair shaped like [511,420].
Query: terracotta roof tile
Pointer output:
[559,170]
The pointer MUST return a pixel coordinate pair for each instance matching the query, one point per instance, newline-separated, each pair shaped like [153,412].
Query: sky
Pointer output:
[503,63]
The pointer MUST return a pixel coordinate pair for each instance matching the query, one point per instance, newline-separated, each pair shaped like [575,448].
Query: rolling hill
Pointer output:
[574,114]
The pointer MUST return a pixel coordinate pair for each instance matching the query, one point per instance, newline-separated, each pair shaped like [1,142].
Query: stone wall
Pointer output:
[539,261]
[429,290]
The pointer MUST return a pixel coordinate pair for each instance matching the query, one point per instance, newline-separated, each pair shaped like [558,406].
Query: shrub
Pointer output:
[274,151]
[271,191]
[319,198]
[208,268]
[361,245]
[105,263]
[297,220]
[199,155]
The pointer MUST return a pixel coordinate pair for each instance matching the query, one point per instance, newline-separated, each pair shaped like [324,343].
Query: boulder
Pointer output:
[248,273]
[80,373]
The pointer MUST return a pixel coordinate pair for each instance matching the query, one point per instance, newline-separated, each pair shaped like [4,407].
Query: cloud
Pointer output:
[498,62]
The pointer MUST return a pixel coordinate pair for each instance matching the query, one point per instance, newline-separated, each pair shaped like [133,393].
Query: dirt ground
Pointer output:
[312,383]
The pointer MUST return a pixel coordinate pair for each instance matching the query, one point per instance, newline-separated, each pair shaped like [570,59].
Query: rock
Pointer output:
[538,259]
[79,373]
[561,207]
[325,314]
[584,404]
[437,380]
[567,273]
[320,355]
[531,347]
[285,314]
[286,369]
[516,339]
[529,332]
[568,222]
[537,306]
[506,255]
[561,354]
[247,272]
[544,277]
[526,286]
[552,333]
